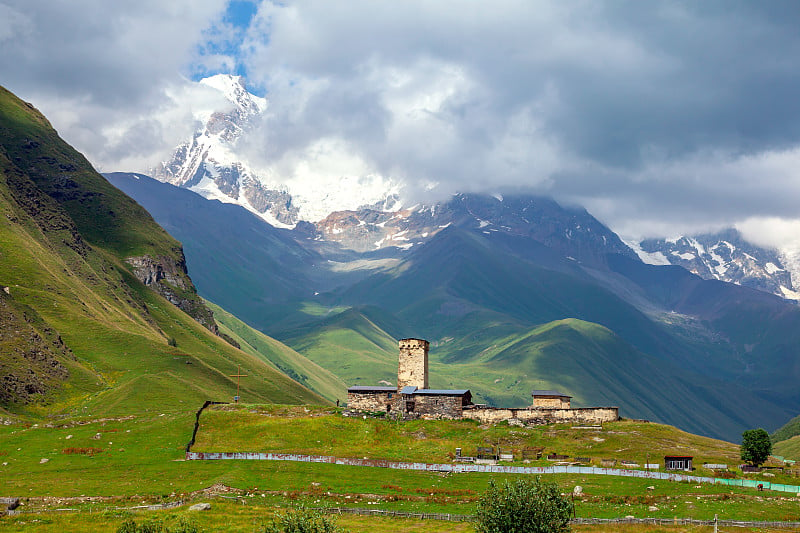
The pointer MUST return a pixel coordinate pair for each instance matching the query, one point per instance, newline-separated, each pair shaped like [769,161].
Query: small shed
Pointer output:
[550,399]
[678,462]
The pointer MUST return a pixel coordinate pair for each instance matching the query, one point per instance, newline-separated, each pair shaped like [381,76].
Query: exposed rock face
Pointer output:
[170,279]
[571,231]
[31,365]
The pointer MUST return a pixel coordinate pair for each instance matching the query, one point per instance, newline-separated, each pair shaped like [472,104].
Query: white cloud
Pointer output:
[659,119]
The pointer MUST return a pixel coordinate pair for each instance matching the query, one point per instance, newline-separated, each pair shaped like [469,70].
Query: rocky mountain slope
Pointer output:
[726,256]
[87,280]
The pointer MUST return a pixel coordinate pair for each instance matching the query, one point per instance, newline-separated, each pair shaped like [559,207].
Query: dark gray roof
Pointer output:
[408,389]
[549,393]
[368,388]
[442,392]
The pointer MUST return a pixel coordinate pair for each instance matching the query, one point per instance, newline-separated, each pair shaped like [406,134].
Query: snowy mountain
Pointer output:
[726,256]
[213,164]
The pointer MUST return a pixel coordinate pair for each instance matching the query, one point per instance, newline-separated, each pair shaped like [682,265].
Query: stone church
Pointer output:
[413,399]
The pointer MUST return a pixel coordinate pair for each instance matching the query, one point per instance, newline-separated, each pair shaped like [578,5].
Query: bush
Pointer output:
[756,446]
[302,520]
[529,506]
[154,525]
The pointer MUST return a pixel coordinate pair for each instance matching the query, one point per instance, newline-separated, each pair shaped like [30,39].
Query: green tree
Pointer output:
[303,520]
[524,506]
[756,446]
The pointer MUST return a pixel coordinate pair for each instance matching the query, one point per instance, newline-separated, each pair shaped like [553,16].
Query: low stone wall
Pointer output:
[528,415]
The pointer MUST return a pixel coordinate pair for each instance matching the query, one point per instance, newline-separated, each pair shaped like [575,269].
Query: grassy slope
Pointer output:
[116,328]
[789,448]
[787,431]
[290,362]
[140,462]
[583,359]
[296,429]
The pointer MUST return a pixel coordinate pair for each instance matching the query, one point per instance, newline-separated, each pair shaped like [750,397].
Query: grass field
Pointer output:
[97,465]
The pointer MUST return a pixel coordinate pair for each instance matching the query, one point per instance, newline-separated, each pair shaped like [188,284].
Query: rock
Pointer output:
[200,507]
[68,437]
[630,517]
[651,487]
[43,460]
[768,474]
[97,436]
[578,490]
[652,508]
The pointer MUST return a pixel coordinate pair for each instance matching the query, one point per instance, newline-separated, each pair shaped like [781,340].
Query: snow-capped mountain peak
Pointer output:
[212,164]
[726,256]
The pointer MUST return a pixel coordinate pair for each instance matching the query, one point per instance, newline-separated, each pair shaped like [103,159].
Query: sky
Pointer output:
[661,118]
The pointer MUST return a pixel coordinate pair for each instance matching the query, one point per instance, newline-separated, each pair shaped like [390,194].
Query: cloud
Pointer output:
[97,67]
[657,117]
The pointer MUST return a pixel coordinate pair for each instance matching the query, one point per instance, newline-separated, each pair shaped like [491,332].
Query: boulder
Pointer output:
[200,507]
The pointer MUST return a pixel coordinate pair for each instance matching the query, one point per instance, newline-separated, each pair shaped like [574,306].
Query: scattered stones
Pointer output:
[768,474]
[652,508]
[630,517]
[97,436]
[578,490]
[43,460]
[200,507]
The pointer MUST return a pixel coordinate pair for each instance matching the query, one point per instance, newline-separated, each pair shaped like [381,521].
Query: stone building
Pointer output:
[550,399]
[413,399]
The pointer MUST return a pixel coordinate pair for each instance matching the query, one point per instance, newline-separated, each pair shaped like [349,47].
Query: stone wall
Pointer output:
[438,406]
[527,415]
[412,368]
[371,401]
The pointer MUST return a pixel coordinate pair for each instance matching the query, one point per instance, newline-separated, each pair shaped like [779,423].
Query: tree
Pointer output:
[529,506]
[302,520]
[756,446]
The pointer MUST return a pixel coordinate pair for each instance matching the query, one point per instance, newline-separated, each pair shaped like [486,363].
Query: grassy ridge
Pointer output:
[285,359]
[299,430]
[787,431]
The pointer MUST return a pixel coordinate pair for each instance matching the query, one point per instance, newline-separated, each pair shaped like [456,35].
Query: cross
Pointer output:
[237,375]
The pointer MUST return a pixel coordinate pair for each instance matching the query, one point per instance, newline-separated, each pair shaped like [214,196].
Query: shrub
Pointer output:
[302,520]
[529,506]
[156,526]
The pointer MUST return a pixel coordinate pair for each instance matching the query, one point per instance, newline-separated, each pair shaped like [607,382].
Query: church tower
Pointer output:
[413,368]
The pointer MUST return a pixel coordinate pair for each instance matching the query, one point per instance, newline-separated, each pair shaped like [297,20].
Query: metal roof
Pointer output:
[367,388]
[549,393]
[408,389]
[443,392]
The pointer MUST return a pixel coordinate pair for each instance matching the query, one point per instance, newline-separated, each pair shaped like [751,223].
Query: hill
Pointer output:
[95,294]
[787,431]
[478,273]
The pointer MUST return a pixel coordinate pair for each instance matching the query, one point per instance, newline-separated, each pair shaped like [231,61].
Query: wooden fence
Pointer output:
[575,521]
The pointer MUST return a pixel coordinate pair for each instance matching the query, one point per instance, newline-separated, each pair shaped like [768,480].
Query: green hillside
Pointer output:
[787,431]
[80,332]
[288,361]
[789,448]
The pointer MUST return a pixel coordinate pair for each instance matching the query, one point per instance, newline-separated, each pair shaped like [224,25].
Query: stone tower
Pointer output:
[413,368]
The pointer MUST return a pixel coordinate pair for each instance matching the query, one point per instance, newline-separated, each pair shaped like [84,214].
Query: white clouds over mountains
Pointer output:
[656,116]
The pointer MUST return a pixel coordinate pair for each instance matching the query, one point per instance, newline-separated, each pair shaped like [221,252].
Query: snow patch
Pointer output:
[772,268]
[648,258]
